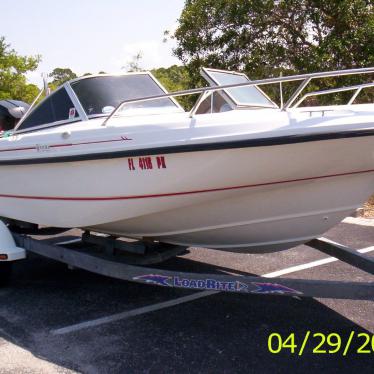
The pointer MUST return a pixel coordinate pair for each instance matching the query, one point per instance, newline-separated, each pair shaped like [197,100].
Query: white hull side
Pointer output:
[256,220]
[302,190]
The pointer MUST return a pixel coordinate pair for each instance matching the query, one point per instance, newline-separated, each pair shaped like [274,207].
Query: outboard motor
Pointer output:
[11,111]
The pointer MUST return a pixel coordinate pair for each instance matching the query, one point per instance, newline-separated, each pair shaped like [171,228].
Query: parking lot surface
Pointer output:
[55,320]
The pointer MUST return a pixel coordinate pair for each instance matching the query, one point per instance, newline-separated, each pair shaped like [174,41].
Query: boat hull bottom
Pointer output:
[252,220]
[258,236]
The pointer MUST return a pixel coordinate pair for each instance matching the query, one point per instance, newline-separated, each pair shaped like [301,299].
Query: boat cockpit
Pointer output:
[97,96]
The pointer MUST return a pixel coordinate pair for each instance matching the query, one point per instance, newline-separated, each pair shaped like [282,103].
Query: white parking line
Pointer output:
[309,265]
[132,313]
[185,299]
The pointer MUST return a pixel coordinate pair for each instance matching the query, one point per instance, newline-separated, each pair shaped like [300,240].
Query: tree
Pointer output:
[264,38]
[61,75]
[175,78]
[13,67]
[134,64]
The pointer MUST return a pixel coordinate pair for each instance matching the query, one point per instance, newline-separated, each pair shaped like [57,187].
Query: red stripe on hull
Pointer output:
[178,193]
[123,138]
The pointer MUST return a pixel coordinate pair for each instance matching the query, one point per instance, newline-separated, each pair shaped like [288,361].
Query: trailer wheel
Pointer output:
[5,273]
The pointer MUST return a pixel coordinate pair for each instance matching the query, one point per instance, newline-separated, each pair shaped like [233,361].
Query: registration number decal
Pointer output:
[147,163]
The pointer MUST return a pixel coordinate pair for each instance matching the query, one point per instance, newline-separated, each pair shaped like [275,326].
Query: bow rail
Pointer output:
[305,78]
[357,88]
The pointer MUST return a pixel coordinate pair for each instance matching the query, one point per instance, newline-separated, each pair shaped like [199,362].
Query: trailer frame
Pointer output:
[116,260]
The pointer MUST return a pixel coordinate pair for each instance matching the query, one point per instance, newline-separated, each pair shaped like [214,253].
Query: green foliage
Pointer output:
[175,78]
[13,67]
[61,75]
[264,38]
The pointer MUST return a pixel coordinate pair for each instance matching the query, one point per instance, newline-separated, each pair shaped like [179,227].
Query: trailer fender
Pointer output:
[8,249]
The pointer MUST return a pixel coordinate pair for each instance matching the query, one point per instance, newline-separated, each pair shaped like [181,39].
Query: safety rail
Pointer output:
[356,88]
[305,78]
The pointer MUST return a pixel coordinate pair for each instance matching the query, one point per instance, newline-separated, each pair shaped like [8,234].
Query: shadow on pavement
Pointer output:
[223,333]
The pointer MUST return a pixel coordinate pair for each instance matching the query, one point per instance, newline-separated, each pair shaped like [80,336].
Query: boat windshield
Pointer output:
[241,96]
[100,95]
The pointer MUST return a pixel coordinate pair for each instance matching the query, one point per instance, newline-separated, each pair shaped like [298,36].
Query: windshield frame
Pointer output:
[178,107]
[78,107]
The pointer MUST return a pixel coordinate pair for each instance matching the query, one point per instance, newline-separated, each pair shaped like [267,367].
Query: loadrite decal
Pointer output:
[158,279]
[147,163]
[215,284]
[200,284]
[209,284]
[266,288]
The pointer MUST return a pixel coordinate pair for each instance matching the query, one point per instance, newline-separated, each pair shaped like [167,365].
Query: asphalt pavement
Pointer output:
[56,320]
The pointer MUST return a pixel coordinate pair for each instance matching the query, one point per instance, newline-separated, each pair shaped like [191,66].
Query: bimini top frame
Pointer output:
[305,78]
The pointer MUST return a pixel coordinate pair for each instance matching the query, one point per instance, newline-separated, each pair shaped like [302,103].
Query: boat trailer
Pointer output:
[129,261]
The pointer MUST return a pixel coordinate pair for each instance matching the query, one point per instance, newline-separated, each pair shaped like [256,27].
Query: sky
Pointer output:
[89,36]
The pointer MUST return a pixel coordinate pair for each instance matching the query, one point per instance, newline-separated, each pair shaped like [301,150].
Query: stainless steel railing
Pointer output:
[305,78]
[357,88]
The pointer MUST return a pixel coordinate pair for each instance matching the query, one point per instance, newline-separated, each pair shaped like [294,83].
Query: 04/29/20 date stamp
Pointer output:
[319,343]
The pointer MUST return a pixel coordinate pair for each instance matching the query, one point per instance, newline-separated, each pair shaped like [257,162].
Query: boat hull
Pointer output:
[252,199]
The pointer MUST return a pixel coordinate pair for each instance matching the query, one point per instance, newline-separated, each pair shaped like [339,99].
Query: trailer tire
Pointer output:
[5,273]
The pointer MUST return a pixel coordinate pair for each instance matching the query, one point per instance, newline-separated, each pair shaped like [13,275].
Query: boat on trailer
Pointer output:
[117,154]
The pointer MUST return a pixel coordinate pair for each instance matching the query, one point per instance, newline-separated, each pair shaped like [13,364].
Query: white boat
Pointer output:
[117,154]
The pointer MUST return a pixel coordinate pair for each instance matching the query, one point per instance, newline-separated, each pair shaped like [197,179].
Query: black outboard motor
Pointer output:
[11,111]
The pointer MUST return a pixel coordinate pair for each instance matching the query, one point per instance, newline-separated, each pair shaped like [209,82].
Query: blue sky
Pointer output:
[90,35]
